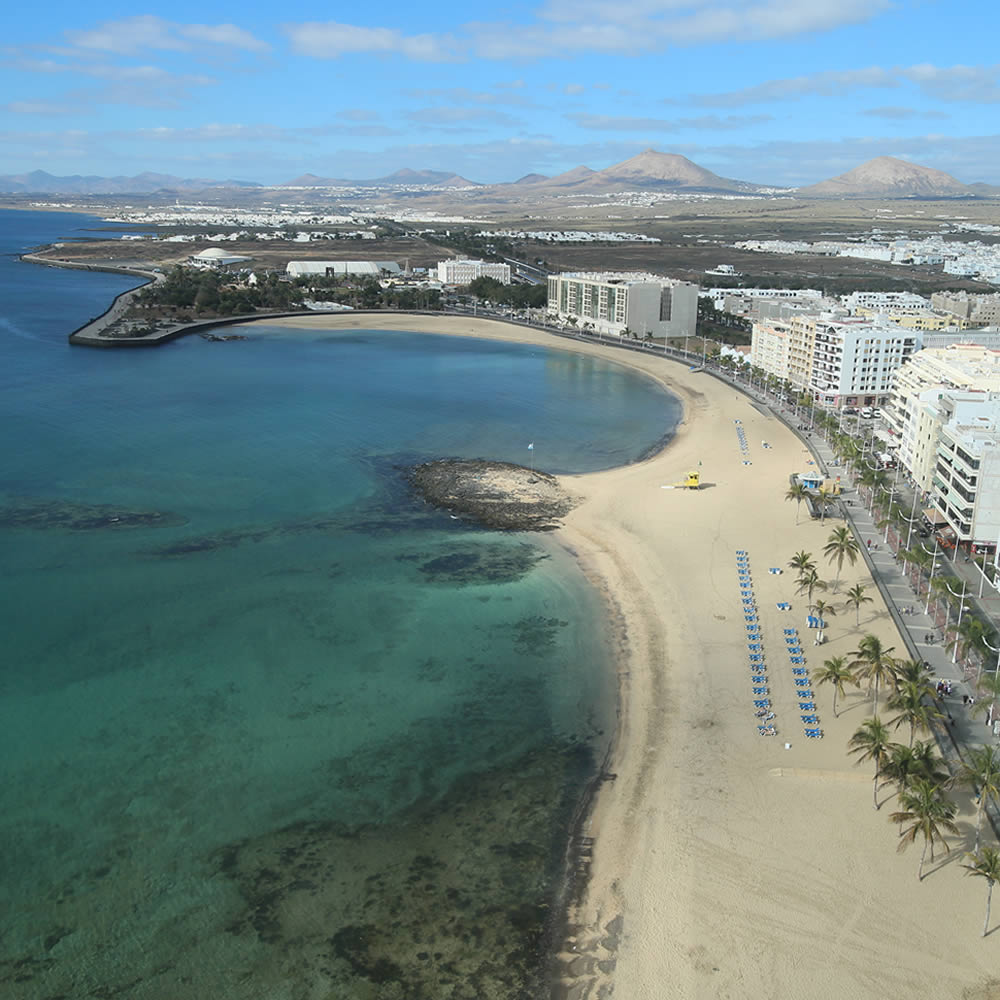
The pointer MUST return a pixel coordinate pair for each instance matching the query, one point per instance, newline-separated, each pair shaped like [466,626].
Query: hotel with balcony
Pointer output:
[958,384]
[839,360]
[646,305]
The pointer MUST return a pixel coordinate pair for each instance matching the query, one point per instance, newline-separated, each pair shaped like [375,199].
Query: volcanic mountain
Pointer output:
[650,169]
[887,177]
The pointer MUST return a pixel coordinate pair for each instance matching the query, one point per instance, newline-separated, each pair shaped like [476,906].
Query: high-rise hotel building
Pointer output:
[646,305]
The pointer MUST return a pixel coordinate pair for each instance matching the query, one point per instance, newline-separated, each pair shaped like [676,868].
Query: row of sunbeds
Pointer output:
[763,708]
[744,446]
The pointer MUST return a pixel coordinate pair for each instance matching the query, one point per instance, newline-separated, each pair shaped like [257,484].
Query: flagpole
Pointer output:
[531,457]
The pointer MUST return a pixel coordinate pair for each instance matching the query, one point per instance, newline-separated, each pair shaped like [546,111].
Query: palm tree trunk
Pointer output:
[835,703]
[875,790]
[980,809]
[989,899]
[920,870]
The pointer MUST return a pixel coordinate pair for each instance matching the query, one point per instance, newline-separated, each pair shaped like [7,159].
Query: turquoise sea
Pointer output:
[271,727]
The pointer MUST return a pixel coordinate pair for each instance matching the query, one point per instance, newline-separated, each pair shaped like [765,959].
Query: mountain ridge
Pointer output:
[883,177]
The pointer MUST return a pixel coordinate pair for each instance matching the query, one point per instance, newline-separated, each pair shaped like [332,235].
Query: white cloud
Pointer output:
[973,84]
[37,108]
[451,117]
[147,31]
[829,83]
[564,27]
[610,123]
[574,88]
[893,113]
[330,40]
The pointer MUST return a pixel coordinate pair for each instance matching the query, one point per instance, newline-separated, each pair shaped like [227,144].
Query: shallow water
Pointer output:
[271,726]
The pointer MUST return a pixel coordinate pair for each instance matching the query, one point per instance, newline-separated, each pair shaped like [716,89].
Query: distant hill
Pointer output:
[649,169]
[986,190]
[40,182]
[532,179]
[887,177]
[406,176]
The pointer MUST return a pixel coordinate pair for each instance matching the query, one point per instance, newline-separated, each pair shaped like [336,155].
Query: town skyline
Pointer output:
[767,92]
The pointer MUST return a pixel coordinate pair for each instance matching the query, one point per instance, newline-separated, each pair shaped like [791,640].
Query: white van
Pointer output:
[866,412]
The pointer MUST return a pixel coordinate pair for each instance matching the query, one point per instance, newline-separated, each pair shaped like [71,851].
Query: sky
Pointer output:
[782,92]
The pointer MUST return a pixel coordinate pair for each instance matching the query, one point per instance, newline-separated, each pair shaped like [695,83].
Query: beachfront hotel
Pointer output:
[462,272]
[645,305]
[939,386]
[839,360]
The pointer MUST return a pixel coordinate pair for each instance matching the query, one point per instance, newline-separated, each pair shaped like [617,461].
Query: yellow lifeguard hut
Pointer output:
[693,481]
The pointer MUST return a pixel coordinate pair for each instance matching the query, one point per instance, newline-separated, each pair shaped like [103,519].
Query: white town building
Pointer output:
[839,360]
[463,272]
[645,305]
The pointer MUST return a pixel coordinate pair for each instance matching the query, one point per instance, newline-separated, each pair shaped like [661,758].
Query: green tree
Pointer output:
[985,864]
[836,673]
[839,546]
[809,582]
[981,772]
[857,596]
[920,760]
[912,700]
[871,742]
[798,493]
[802,561]
[930,815]
[873,662]
[824,497]
[823,610]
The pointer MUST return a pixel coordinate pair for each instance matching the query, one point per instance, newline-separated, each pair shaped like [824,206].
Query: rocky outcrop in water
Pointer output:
[497,495]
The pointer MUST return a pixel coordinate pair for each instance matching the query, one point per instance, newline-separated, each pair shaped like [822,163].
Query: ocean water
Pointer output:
[271,727]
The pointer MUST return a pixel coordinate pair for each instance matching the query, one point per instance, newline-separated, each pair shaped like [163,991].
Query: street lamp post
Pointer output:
[995,649]
[930,579]
[961,608]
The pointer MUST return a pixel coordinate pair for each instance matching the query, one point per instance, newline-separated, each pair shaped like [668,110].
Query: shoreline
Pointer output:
[722,862]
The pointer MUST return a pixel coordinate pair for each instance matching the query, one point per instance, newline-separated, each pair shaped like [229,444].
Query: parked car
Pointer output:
[866,413]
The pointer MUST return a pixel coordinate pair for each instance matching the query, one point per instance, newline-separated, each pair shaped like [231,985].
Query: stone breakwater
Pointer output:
[498,495]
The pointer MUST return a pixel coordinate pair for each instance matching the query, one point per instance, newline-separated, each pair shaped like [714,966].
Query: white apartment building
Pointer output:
[647,305]
[979,310]
[966,484]
[841,361]
[935,386]
[885,302]
[462,272]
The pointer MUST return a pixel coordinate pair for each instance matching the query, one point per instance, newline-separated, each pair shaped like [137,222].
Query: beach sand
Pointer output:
[725,865]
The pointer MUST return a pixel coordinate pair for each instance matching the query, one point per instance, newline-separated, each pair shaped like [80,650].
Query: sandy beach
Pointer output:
[724,864]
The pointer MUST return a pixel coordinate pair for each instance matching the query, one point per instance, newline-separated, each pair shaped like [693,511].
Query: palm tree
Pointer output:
[857,596]
[836,673]
[981,772]
[974,636]
[810,581]
[928,812]
[913,670]
[824,610]
[986,865]
[912,701]
[873,662]
[905,764]
[839,546]
[798,493]
[802,561]
[824,497]
[871,742]
[989,689]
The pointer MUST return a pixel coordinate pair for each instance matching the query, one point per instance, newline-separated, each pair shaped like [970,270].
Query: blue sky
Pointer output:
[772,91]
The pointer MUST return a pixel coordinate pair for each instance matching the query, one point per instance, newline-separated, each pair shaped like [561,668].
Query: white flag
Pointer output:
[531,447]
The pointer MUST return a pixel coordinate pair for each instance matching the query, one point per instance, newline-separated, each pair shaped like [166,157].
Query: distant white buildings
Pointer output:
[216,259]
[462,272]
[372,268]
[645,305]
